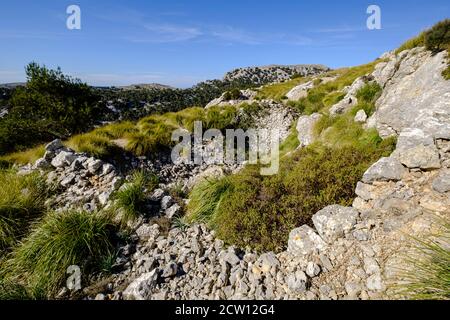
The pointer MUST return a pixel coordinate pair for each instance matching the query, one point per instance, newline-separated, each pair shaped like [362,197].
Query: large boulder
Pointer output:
[305,129]
[54,145]
[361,116]
[304,241]
[63,159]
[142,288]
[335,221]
[386,169]
[300,91]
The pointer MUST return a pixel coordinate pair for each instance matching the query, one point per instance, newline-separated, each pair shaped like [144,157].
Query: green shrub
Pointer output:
[22,200]
[131,197]
[367,97]
[233,94]
[60,240]
[427,272]
[435,39]
[51,105]
[438,37]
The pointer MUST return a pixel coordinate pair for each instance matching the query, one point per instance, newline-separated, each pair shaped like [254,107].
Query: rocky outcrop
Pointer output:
[415,94]
[305,129]
[247,96]
[350,100]
[83,182]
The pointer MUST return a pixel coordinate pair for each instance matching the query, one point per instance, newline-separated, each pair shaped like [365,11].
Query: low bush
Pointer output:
[39,264]
[233,94]
[260,211]
[438,37]
[435,39]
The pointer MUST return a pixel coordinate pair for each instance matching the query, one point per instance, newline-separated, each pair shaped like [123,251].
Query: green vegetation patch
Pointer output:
[323,96]
[248,209]
[278,91]
[22,200]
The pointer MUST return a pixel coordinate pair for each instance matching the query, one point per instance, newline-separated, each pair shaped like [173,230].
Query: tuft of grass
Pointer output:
[39,264]
[140,144]
[131,197]
[93,143]
[24,157]
[22,200]
[205,199]
[427,274]
[116,130]
[181,223]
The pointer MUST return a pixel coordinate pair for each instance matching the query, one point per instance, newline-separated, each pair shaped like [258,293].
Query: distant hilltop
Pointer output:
[273,73]
[146,86]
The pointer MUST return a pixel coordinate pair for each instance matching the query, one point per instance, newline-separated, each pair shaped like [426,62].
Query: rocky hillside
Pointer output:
[273,73]
[359,209]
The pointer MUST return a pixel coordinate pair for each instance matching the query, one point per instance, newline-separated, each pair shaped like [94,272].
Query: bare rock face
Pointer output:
[415,94]
[305,129]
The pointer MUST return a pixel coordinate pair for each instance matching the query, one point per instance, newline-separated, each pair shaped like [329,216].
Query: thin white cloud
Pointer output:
[340,29]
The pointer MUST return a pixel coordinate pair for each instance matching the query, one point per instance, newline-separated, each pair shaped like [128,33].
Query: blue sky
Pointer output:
[182,42]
